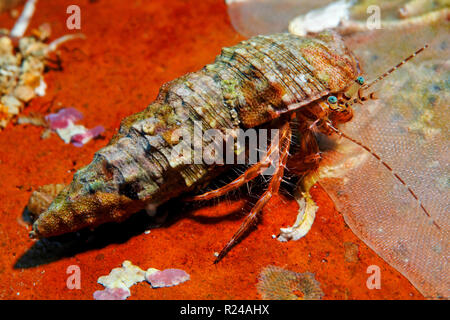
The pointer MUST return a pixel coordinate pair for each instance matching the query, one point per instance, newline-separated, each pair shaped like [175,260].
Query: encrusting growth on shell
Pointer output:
[41,198]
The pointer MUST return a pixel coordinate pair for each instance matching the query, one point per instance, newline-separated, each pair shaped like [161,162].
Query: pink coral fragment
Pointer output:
[112,294]
[78,140]
[167,278]
[63,118]
[63,123]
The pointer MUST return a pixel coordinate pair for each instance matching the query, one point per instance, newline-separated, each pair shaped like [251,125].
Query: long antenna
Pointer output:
[386,166]
[384,75]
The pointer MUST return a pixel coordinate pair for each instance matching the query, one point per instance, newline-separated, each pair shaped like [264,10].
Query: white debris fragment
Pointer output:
[63,123]
[117,284]
[123,277]
[41,89]
[72,129]
[321,19]
[24,20]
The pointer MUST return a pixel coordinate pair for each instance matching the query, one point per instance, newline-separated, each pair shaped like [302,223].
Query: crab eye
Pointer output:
[332,99]
[360,80]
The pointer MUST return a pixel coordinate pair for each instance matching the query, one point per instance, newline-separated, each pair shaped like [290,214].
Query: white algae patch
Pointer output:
[123,277]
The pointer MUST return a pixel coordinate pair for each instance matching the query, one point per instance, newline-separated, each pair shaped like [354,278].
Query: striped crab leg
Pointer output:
[272,189]
[250,173]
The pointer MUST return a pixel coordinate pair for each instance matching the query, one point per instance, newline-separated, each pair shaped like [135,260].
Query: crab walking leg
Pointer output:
[24,20]
[250,173]
[272,189]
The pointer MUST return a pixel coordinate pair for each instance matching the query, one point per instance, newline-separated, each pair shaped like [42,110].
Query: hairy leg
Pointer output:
[274,185]
[305,163]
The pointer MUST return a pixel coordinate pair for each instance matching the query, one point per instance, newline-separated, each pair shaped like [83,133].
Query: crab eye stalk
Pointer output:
[360,80]
[332,100]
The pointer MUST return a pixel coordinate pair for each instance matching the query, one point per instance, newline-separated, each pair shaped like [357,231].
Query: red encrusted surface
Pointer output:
[131,49]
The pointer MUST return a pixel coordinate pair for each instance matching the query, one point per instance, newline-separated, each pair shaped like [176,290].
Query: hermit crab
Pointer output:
[266,81]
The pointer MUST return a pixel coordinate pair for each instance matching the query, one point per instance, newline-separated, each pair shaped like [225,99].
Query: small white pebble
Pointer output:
[274,236]
[216,254]
[147,231]
[18,293]
[40,90]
